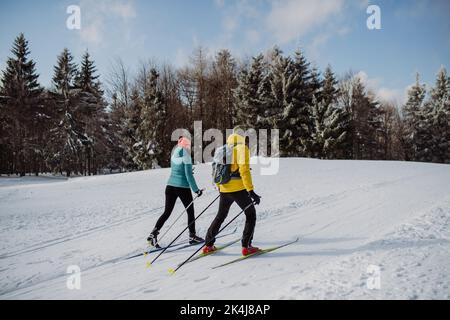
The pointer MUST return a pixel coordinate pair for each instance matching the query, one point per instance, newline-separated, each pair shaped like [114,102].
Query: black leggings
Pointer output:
[172,194]
[226,200]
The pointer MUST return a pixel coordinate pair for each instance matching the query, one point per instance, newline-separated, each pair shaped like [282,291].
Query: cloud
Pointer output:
[314,48]
[125,10]
[397,96]
[391,95]
[96,15]
[370,83]
[253,36]
[91,33]
[237,19]
[220,3]
[290,19]
[181,58]
[279,22]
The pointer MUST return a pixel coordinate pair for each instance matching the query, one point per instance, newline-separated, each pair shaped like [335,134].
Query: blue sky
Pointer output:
[415,34]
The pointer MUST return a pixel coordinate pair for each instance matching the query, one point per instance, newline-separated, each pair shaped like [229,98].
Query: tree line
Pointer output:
[81,126]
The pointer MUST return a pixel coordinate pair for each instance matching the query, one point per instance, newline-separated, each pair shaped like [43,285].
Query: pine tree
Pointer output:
[6,154]
[86,78]
[22,106]
[68,138]
[149,150]
[281,102]
[439,118]
[64,74]
[329,130]
[280,99]
[314,86]
[129,130]
[330,123]
[287,104]
[365,123]
[91,107]
[250,94]
[373,133]
[298,112]
[413,117]
[329,89]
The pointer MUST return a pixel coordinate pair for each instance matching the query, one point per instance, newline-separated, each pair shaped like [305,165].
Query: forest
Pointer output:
[81,126]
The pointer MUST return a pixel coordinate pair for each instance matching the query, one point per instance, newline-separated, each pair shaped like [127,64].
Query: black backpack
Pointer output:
[221,166]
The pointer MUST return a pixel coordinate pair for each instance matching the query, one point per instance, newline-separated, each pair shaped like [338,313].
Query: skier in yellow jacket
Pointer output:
[240,190]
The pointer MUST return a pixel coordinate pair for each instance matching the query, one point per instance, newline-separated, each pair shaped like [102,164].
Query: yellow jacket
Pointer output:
[239,161]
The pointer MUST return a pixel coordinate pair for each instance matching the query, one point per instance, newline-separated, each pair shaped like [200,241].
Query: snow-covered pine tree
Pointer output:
[284,108]
[22,106]
[365,121]
[299,113]
[291,87]
[68,138]
[64,73]
[86,78]
[439,117]
[314,86]
[129,130]
[251,93]
[329,87]
[280,98]
[330,123]
[413,117]
[373,133]
[91,107]
[148,148]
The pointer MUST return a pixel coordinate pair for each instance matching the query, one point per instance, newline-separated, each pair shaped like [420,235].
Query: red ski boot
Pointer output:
[246,251]
[209,249]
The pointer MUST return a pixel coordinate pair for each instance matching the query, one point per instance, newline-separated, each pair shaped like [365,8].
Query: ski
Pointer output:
[173,247]
[172,271]
[202,255]
[263,251]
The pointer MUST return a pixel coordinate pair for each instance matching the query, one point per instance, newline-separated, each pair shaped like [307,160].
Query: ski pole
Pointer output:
[176,238]
[181,214]
[196,251]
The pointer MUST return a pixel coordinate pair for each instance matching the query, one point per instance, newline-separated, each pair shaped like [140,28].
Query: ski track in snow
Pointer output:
[413,262]
[349,215]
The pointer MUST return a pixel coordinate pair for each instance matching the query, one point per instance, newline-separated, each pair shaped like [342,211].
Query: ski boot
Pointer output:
[153,239]
[193,239]
[209,249]
[246,251]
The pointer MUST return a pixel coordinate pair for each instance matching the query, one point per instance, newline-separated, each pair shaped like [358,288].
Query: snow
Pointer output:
[350,215]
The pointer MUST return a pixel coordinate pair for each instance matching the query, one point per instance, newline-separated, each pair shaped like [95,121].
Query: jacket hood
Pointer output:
[235,139]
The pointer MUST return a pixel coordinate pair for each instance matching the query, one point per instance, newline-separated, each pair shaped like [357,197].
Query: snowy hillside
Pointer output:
[349,214]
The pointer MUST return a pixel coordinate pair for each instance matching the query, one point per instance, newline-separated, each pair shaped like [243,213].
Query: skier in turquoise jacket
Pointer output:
[180,184]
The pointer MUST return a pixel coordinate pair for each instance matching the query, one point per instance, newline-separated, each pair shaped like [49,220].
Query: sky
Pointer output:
[414,35]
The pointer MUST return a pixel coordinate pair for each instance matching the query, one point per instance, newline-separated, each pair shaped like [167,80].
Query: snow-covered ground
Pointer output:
[350,215]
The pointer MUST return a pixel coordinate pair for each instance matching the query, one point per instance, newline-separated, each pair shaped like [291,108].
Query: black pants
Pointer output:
[172,194]
[226,200]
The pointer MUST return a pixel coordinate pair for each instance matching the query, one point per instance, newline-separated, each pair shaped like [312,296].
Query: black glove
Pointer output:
[199,193]
[256,199]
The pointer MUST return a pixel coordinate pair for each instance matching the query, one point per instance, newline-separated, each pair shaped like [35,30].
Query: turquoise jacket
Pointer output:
[181,174]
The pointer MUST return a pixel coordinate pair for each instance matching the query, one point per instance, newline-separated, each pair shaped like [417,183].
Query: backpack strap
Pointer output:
[236,175]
